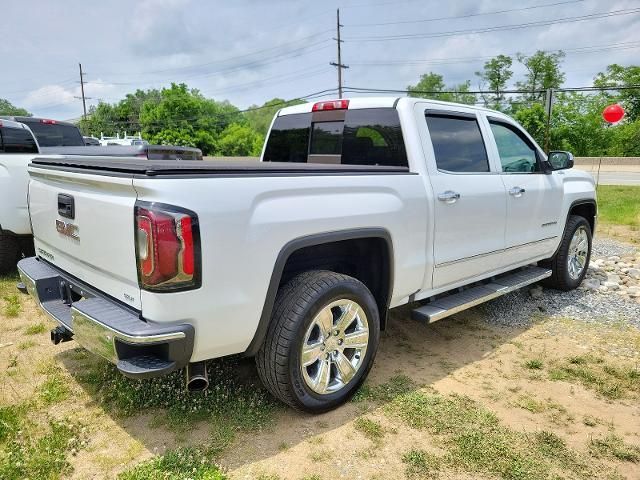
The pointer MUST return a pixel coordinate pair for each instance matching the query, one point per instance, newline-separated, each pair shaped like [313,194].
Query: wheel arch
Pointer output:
[377,276]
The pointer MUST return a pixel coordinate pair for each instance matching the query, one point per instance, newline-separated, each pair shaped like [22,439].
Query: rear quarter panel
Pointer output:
[246,221]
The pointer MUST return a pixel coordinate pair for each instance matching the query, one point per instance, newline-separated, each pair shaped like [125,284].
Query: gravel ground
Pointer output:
[520,307]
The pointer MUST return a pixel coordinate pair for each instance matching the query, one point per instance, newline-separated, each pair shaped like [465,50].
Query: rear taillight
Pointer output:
[330,105]
[46,121]
[167,247]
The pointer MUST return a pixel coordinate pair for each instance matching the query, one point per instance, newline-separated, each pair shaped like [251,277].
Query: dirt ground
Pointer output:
[521,374]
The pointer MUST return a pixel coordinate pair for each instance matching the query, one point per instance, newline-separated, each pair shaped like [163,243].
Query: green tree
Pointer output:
[494,76]
[7,108]
[533,119]
[543,72]
[434,83]
[619,76]
[187,111]
[259,117]
[239,140]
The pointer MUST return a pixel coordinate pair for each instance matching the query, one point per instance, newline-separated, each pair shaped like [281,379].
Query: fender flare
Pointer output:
[575,203]
[309,241]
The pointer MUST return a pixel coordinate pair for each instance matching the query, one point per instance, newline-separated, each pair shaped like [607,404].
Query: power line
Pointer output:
[452,60]
[470,15]
[480,92]
[498,28]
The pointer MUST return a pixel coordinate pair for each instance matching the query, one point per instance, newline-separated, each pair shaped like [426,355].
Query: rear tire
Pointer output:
[321,342]
[9,253]
[570,263]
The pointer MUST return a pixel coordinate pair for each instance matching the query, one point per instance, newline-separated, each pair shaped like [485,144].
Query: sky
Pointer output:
[249,51]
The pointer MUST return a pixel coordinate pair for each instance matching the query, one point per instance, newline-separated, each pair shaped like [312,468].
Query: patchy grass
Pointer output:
[421,464]
[370,429]
[619,205]
[385,392]
[54,389]
[477,442]
[534,364]
[612,446]
[611,381]
[12,307]
[184,463]
[30,450]
[36,328]
[246,405]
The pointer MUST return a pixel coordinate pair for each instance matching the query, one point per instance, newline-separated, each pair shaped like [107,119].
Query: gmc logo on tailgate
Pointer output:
[68,229]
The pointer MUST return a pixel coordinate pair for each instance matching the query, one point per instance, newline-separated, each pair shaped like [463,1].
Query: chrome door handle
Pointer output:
[449,196]
[516,191]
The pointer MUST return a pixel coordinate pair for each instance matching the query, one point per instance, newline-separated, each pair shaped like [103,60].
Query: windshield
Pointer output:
[56,134]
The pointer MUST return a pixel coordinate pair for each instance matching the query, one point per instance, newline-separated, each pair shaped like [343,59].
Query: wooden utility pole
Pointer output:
[340,66]
[84,104]
[548,107]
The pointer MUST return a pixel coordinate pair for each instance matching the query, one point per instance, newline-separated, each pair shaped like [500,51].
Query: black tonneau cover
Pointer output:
[137,166]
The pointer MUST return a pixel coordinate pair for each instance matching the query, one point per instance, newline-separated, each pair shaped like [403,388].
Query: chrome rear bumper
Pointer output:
[139,348]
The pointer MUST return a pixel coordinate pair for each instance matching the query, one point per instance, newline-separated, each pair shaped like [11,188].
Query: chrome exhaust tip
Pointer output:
[197,378]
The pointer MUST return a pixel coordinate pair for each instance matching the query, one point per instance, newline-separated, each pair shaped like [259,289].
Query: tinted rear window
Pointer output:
[370,136]
[56,134]
[17,140]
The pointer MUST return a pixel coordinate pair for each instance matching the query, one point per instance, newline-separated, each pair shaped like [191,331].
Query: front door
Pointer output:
[533,197]
[470,206]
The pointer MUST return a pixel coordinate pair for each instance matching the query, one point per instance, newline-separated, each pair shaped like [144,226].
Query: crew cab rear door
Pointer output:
[469,205]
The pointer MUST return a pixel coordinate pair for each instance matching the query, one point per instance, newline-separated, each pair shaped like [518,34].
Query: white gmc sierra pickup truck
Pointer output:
[357,206]
[24,138]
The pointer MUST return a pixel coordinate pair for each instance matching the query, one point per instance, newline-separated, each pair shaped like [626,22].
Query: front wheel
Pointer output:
[570,263]
[321,342]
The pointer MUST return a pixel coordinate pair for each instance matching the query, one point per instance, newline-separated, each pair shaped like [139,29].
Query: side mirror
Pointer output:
[560,160]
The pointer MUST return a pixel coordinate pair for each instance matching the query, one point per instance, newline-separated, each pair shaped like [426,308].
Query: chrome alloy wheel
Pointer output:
[334,346]
[578,251]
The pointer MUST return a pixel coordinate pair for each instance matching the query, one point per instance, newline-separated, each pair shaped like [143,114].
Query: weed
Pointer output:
[611,381]
[370,429]
[385,392]
[177,464]
[26,344]
[613,446]
[54,389]
[315,476]
[477,442]
[534,364]
[421,464]
[590,421]
[319,456]
[36,329]
[283,446]
[28,452]
[12,306]
[13,361]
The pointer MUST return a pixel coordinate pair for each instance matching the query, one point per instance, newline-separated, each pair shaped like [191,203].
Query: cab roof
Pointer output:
[379,102]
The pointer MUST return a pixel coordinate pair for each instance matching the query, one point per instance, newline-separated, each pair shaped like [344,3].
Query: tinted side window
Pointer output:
[17,140]
[372,136]
[289,139]
[457,143]
[516,152]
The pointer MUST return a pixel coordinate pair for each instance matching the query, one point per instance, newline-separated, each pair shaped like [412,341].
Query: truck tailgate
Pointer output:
[84,225]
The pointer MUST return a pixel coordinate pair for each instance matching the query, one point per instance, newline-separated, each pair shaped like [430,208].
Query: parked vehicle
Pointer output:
[358,206]
[19,145]
[91,141]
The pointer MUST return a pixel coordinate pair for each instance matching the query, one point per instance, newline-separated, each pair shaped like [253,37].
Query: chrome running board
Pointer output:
[457,301]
